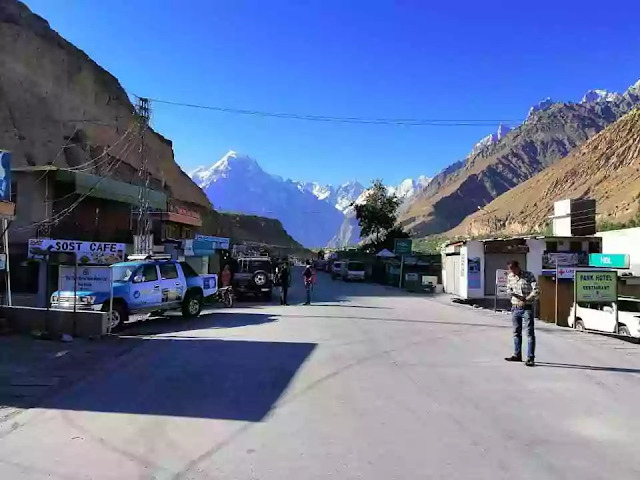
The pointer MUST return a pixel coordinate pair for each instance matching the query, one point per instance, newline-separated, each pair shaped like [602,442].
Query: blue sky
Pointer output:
[351,58]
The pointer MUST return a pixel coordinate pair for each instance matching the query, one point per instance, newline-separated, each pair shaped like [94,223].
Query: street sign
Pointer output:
[501,284]
[609,260]
[595,286]
[402,246]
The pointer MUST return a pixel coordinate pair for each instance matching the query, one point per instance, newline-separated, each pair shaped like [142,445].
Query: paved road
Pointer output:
[366,384]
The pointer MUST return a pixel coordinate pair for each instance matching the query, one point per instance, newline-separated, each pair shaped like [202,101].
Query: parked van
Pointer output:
[336,270]
[623,319]
[352,270]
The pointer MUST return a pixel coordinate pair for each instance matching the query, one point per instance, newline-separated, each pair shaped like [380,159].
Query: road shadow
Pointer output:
[188,377]
[588,367]
[309,314]
[227,318]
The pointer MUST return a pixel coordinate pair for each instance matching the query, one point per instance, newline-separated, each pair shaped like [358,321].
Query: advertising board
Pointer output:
[95,279]
[501,283]
[595,286]
[99,253]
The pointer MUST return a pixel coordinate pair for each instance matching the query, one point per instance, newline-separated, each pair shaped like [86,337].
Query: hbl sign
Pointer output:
[609,260]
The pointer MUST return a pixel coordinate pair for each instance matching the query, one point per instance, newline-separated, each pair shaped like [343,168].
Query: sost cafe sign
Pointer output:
[95,253]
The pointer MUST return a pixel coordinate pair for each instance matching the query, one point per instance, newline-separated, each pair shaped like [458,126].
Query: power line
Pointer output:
[352,120]
[67,211]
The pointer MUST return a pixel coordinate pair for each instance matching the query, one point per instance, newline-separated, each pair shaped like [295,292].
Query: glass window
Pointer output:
[575,246]
[168,271]
[122,273]
[355,266]
[188,271]
[628,306]
[149,273]
[552,247]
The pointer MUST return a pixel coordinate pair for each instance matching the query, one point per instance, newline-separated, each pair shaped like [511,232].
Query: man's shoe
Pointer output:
[514,358]
[530,362]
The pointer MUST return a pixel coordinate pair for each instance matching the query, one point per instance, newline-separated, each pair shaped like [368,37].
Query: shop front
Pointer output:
[205,253]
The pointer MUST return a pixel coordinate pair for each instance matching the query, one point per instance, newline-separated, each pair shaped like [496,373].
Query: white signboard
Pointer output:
[101,253]
[501,284]
[94,279]
[563,272]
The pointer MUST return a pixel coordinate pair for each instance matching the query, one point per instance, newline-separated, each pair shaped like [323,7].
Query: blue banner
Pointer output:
[5,176]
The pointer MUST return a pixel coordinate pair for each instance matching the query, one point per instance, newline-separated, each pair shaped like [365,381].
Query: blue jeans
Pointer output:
[308,289]
[520,316]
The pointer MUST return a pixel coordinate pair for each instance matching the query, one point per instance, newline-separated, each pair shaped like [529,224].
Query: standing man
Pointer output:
[307,278]
[523,288]
[285,282]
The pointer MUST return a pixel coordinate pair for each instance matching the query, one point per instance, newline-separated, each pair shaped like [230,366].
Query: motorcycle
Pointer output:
[225,296]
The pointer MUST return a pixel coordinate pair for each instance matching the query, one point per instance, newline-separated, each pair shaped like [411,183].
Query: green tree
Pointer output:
[379,212]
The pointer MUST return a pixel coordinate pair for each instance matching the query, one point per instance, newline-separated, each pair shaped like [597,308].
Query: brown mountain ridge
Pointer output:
[542,140]
[606,168]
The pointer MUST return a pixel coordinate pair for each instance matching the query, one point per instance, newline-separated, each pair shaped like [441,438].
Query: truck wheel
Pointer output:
[118,316]
[192,305]
[579,325]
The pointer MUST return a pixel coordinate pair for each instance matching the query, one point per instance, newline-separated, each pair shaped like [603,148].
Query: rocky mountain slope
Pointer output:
[606,168]
[52,95]
[551,131]
[57,106]
[238,184]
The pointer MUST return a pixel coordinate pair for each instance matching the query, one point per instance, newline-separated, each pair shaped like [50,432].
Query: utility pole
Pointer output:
[143,112]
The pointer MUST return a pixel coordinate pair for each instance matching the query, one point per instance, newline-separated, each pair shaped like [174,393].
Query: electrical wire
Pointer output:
[52,164]
[65,212]
[334,119]
[89,162]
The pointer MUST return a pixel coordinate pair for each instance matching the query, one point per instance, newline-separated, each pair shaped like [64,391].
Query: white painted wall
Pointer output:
[534,257]
[623,241]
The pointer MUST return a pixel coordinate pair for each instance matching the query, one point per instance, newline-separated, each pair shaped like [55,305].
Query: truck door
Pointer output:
[171,284]
[146,291]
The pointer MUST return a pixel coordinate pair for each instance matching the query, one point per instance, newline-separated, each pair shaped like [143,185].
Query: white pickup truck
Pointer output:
[622,319]
[144,284]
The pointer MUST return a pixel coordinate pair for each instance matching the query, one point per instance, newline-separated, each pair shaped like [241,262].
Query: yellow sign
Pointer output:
[596,286]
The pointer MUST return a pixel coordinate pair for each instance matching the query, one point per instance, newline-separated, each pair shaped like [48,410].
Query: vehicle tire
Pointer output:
[118,317]
[579,325]
[192,305]
[624,331]
[228,300]
[260,278]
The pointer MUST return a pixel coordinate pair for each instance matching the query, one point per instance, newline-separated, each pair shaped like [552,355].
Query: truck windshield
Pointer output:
[356,266]
[123,273]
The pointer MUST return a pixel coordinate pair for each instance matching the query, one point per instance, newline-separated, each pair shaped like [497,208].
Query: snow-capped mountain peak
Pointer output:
[598,95]
[542,105]
[409,187]
[491,139]
[232,161]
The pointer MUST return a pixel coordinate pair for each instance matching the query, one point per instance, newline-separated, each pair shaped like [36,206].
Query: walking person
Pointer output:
[523,288]
[307,278]
[285,282]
